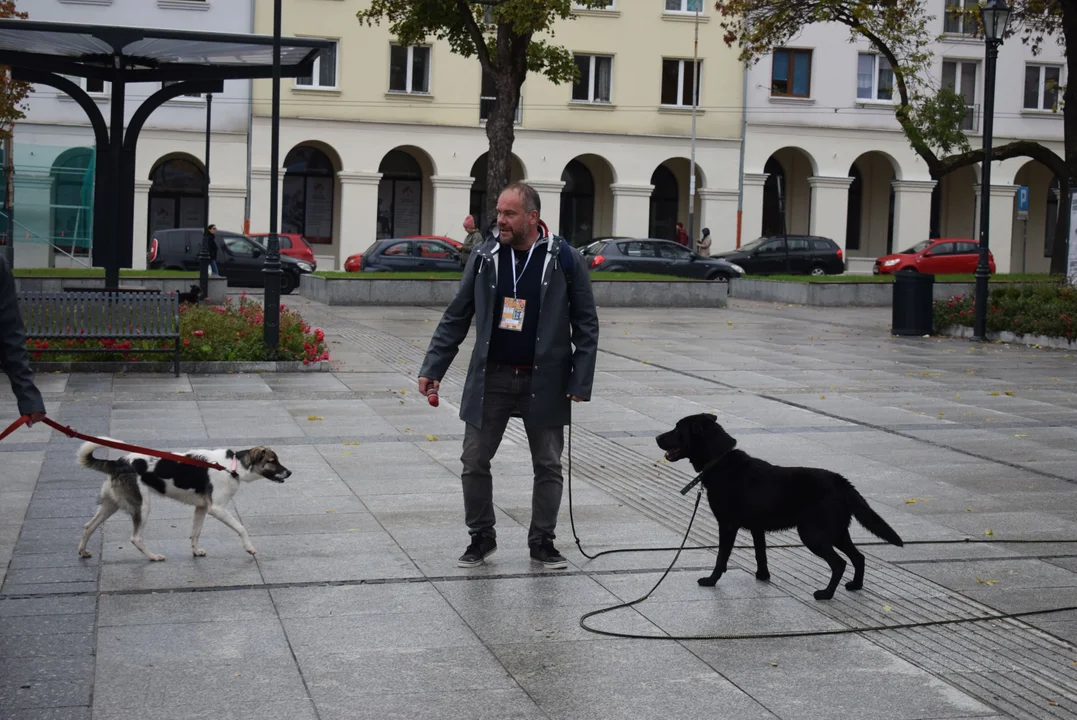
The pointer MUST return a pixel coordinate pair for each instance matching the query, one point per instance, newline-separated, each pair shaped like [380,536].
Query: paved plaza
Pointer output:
[354,607]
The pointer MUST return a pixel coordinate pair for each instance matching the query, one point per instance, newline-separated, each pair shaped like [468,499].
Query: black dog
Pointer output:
[745,492]
[190,297]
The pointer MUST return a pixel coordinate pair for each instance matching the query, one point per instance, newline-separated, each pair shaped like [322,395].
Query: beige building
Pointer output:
[388,141]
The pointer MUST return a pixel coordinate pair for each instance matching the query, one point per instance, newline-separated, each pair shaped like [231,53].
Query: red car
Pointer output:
[942,256]
[293,244]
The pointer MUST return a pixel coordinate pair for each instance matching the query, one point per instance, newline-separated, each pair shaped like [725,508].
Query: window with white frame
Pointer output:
[581,6]
[191,96]
[684,6]
[93,86]
[960,76]
[596,79]
[955,21]
[409,69]
[1041,86]
[677,79]
[874,78]
[324,74]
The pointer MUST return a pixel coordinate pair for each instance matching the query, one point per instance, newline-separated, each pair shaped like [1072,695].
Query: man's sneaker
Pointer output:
[481,547]
[549,557]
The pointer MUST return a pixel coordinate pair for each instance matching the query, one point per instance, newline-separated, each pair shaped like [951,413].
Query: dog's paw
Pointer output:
[822,595]
[251,550]
[85,554]
[709,581]
[199,552]
[853,586]
[155,558]
[762,575]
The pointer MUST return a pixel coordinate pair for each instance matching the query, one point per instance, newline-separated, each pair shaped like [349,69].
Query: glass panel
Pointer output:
[1032,87]
[693,5]
[397,249]
[885,88]
[420,69]
[687,83]
[949,75]
[779,74]
[327,67]
[673,4]
[953,23]
[580,89]
[398,68]
[1052,77]
[865,71]
[968,82]
[799,244]
[801,73]
[669,82]
[603,78]
[94,85]
[672,251]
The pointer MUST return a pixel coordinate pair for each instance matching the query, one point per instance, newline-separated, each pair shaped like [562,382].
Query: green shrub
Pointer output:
[1042,309]
[228,332]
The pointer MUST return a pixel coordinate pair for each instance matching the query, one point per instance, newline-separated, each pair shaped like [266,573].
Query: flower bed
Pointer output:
[229,332]
[1045,310]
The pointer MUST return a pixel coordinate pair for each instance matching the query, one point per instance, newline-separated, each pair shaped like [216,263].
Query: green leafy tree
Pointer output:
[13,94]
[930,115]
[510,38]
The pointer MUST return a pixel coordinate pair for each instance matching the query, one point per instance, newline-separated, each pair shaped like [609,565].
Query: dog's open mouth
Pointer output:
[674,455]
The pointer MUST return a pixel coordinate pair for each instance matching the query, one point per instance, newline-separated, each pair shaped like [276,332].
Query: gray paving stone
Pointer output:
[344,636]
[77,712]
[168,644]
[347,600]
[477,704]
[184,607]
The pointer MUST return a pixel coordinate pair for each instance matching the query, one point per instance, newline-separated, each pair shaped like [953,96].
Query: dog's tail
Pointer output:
[871,520]
[87,459]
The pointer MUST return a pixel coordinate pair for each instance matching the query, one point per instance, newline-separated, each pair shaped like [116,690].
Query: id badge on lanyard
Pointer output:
[513,310]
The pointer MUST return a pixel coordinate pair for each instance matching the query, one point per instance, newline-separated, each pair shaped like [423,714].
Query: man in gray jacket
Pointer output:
[13,355]
[536,341]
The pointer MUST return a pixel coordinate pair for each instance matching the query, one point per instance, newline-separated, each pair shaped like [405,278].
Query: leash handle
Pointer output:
[72,433]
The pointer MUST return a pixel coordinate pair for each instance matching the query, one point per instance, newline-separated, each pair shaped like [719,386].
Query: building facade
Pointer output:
[54,148]
[821,126]
[384,140]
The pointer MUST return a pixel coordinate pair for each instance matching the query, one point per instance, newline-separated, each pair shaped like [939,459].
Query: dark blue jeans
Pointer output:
[508,392]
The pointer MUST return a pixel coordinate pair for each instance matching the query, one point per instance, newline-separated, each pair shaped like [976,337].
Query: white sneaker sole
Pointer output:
[476,563]
[551,565]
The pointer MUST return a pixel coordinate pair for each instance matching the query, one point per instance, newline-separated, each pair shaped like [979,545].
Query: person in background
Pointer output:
[703,247]
[211,247]
[682,234]
[13,355]
[474,237]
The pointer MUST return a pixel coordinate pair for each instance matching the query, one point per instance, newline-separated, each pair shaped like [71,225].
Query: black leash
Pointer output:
[771,635]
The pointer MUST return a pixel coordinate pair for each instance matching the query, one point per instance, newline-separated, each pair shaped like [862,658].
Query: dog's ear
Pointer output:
[256,454]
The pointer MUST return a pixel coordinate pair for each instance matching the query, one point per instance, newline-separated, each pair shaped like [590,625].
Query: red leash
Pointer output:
[112,443]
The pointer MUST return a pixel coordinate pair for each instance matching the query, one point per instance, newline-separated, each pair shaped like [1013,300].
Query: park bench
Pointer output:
[101,315]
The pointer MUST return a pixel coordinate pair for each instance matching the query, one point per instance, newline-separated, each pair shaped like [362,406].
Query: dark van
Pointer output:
[239,258]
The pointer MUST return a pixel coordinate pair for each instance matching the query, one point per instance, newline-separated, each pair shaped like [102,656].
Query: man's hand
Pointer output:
[576,398]
[426,385]
[35,417]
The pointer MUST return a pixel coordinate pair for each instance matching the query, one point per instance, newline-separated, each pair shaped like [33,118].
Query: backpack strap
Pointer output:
[564,257]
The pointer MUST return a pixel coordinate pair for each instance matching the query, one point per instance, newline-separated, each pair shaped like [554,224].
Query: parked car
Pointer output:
[239,258]
[455,243]
[660,257]
[406,255]
[942,256]
[292,244]
[795,254]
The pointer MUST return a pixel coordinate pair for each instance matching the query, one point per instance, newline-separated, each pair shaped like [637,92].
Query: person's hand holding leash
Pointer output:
[35,417]
[430,388]
[576,398]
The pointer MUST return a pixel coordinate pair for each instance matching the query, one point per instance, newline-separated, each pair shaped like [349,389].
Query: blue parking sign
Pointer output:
[1022,198]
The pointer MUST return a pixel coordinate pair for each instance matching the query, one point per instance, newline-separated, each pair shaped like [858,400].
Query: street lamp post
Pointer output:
[995,15]
[271,271]
[203,253]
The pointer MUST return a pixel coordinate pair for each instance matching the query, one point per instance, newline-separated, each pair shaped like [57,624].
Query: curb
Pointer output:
[1005,336]
[192,367]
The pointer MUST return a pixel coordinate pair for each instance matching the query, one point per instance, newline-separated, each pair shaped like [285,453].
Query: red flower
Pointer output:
[199,333]
[186,342]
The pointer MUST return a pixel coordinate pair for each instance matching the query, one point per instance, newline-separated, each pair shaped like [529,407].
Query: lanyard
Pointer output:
[515,278]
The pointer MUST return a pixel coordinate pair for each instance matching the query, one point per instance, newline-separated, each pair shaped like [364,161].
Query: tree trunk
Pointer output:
[1060,247]
[501,132]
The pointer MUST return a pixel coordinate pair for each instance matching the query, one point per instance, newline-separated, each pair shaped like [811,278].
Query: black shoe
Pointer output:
[481,547]
[547,555]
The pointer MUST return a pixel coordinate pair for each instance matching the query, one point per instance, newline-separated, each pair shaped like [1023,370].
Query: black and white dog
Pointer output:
[133,475]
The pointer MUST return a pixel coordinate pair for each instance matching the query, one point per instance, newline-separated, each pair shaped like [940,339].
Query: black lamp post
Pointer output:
[203,253]
[271,270]
[995,15]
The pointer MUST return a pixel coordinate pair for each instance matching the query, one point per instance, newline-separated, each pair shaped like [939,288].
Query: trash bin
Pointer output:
[912,307]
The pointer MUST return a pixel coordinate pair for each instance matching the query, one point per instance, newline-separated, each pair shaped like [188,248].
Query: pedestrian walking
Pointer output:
[474,237]
[703,247]
[13,354]
[210,240]
[536,341]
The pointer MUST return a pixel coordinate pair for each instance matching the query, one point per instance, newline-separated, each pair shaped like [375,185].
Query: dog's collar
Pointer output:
[706,468]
